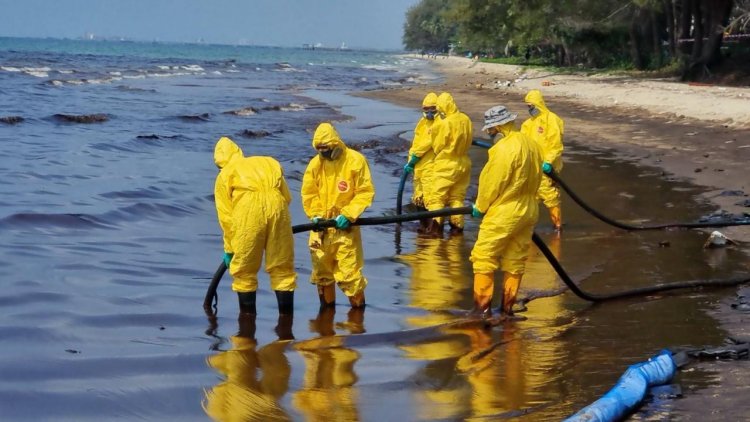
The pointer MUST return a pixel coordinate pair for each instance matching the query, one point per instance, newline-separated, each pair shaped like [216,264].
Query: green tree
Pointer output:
[426,28]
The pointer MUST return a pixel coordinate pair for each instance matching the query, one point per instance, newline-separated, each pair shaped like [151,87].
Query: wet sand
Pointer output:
[711,152]
[696,134]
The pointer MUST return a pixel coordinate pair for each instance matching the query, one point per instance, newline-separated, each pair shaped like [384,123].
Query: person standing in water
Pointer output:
[252,203]
[507,204]
[546,128]
[336,185]
[420,154]
[451,170]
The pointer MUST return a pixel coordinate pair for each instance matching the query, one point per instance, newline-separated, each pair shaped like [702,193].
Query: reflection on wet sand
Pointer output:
[328,392]
[439,279]
[254,379]
[473,371]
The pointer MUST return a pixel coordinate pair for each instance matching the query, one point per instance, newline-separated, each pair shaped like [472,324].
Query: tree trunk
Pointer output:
[697,30]
[716,20]
[635,50]
[686,20]
[714,16]
[655,39]
[669,12]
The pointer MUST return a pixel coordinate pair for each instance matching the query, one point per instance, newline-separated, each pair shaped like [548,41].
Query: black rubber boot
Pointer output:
[286,302]
[247,302]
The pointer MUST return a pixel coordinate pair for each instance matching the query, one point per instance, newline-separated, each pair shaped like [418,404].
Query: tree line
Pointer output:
[694,36]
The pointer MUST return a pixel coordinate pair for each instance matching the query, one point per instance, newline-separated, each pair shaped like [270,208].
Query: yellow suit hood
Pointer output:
[430,100]
[535,97]
[326,134]
[226,150]
[446,105]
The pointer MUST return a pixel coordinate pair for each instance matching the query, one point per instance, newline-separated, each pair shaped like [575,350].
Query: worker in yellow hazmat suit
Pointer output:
[336,184]
[507,200]
[546,128]
[252,203]
[451,170]
[420,153]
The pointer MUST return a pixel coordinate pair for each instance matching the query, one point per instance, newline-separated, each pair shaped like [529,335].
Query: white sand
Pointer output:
[727,105]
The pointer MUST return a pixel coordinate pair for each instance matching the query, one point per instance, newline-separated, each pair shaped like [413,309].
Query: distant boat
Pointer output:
[319,46]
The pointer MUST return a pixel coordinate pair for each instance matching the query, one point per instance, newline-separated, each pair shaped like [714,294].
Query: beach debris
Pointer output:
[254,134]
[245,111]
[745,203]
[285,107]
[11,120]
[732,193]
[717,240]
[502,84]
[82,118]
[203,117]
[369,144]
[664,244]
[547,83]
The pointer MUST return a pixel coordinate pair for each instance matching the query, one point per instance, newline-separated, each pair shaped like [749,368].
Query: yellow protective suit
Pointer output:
[329,188]
[252,203]
[421,146]
[507,196]
[451,171]
[546,128]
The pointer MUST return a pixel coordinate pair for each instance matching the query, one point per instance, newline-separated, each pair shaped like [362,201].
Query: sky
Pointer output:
[290,23]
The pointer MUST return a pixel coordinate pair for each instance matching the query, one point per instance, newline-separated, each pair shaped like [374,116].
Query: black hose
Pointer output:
[628,293]
[388,219]
[211,297]
[211,300]
[400,193]
[696,225]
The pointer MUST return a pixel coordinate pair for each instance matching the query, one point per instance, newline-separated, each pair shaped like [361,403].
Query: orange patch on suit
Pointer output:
[343,186]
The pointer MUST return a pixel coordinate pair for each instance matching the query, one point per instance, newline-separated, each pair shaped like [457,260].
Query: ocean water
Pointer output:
[109,240]
[109,232]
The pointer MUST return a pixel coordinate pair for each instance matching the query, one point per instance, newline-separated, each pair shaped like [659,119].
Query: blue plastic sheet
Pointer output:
[629,391]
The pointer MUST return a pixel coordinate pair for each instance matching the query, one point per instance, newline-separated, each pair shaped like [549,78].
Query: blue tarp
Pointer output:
[629,390]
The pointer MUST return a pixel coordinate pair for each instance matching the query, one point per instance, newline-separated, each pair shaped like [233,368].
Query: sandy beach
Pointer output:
[698,133]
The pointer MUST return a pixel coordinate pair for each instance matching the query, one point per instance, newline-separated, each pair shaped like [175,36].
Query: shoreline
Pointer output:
[707,152]
[704,149]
